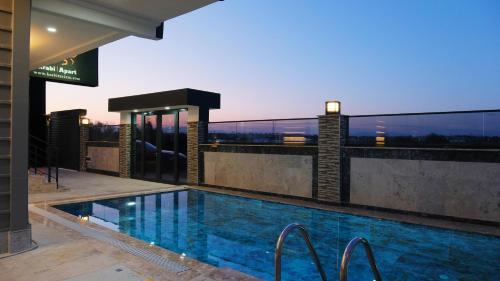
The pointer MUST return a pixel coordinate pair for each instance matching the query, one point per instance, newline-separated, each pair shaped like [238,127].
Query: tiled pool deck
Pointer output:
[66,254]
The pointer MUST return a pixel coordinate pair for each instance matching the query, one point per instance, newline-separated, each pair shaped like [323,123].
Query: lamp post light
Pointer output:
[84,121]
[332,107]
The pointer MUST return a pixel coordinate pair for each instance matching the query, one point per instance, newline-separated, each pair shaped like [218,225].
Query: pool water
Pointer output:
[240,233]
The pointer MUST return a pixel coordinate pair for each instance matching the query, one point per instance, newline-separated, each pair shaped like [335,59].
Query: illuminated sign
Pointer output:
[80,70]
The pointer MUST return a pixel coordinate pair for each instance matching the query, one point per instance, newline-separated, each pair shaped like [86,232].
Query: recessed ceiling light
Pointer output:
[51,29]
[167,107]
[135,110]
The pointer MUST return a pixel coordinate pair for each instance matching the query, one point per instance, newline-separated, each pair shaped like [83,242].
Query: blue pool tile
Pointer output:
[240,233]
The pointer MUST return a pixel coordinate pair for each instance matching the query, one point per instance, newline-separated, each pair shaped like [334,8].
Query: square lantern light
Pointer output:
[84,121]
[333,107]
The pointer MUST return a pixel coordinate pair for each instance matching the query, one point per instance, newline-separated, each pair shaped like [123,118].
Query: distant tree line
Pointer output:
[104,132]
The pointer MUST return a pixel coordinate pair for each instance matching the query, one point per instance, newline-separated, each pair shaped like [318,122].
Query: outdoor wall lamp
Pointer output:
[333,107]
[51,29]
[84,121]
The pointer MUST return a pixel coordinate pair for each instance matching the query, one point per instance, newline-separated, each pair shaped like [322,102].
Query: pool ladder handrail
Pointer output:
[279,247]
[346,257]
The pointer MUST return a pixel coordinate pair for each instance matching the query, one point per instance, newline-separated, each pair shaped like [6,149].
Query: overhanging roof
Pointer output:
[84,25]
[181,97]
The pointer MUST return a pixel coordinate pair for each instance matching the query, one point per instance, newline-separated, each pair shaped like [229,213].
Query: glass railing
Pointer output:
[475,129]
[108,133]
[278,132]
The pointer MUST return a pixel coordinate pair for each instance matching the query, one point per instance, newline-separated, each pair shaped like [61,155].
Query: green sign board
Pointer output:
[80,70]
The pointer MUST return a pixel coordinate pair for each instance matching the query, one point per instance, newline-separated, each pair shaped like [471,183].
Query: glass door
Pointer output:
[182,147]
[137,147]
[169,147]
[160,146]
[151,147]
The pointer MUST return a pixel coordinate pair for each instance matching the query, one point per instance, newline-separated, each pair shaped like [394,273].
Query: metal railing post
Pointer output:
[49,166]
[57,169]
[37,148]
[36,159]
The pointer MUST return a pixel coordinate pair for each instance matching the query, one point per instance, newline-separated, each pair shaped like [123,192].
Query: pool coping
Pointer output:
[89,232]
[191,263]
[442,223]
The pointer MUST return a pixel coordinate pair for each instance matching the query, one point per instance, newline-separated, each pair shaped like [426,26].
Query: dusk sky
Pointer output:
[285,58]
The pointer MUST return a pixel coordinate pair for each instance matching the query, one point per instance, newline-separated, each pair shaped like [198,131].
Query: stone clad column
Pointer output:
[125,149]
[84,138]
[197,132]
[332,129]
[15,229]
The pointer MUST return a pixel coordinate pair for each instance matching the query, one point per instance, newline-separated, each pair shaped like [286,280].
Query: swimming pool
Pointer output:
[240,233]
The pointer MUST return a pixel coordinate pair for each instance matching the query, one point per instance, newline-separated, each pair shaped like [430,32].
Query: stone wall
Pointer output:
[103,157]
[5,132]
[125,150]
[284,170]
[15,230]
[446,182]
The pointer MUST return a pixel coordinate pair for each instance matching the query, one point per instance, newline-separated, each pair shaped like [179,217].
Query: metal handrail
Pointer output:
[347,257]
[38,147]
[264,120]
[428,113]
[279,246]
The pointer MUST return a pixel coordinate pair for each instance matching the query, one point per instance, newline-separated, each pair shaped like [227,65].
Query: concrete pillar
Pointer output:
[15,230]
[332,130]
[125,148]
[84,138]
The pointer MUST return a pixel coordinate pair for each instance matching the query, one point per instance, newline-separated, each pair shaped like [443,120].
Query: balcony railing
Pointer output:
[303,131]
[465,129]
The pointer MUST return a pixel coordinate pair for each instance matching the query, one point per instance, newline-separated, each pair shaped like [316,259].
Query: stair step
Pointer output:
[4,156]
[4,176]
[4,212]
[5,10]
[5,28]
[7,102]
[5,47]
[4,84]
[5,66]
[4,138]
[4,121]
[5,193]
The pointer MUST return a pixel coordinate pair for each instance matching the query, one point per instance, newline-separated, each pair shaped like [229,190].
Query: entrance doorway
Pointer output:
[159,146]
